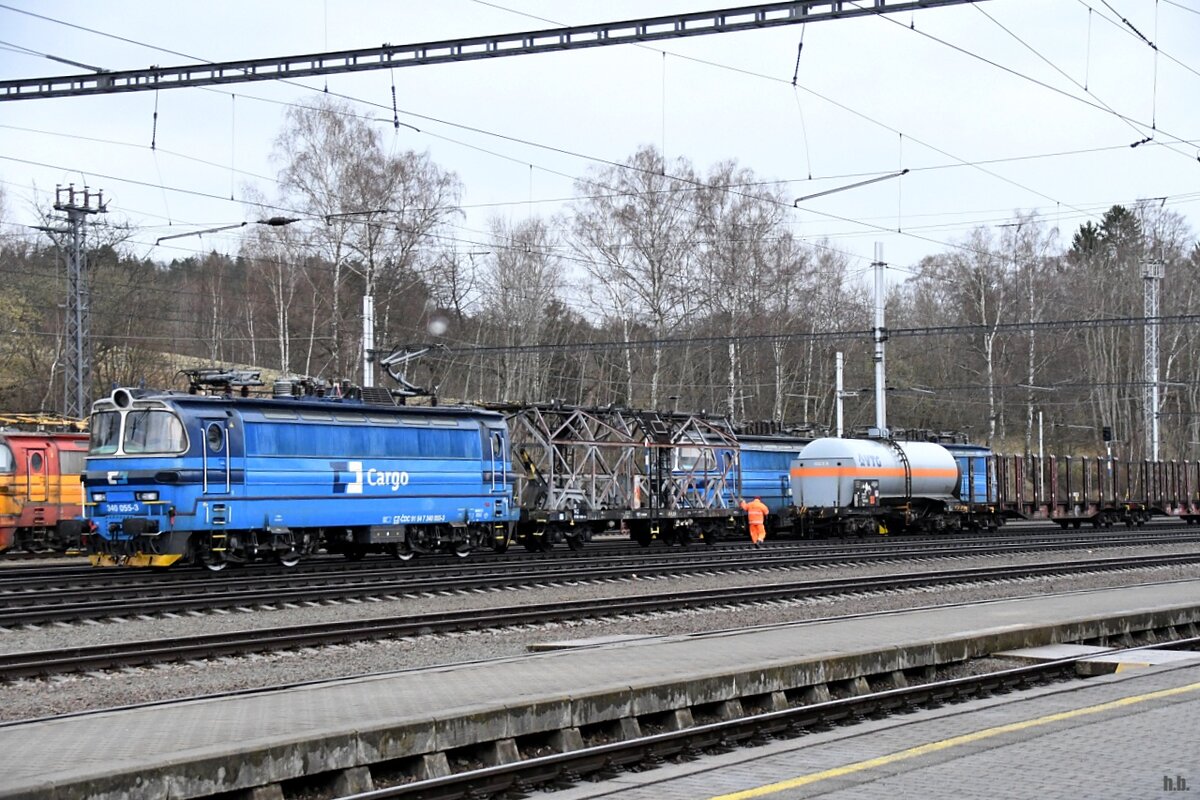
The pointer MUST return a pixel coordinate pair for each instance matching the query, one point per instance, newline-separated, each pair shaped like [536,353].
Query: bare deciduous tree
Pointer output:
[521,282]
[635,226]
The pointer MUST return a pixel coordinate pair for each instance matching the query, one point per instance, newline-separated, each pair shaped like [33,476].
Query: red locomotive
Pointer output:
[40,484]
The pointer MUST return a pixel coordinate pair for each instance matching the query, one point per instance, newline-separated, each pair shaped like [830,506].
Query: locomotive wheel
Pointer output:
[213,562]
[288,558]
[403,552]
[462,549]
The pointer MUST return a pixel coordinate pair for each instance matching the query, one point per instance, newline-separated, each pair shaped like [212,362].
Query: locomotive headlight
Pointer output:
[99,497]
[146,497]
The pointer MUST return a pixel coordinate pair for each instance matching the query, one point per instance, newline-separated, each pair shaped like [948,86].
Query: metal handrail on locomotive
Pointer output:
[231,478]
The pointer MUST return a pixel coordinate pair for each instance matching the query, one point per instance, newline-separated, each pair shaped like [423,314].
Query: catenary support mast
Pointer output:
[77,356]
[1152,273]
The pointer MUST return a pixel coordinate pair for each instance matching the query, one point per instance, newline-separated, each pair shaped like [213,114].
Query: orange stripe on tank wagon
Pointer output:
[870,472]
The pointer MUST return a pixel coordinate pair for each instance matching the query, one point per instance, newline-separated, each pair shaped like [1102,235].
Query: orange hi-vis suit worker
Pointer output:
[756,514]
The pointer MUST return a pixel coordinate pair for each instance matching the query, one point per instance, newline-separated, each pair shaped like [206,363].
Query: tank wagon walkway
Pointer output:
[553,699]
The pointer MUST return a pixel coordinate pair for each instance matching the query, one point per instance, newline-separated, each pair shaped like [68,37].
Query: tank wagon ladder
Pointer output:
[907,465]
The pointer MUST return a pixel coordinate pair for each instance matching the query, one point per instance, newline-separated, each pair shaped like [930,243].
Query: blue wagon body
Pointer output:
[217,479]
[765,465]
[978,482]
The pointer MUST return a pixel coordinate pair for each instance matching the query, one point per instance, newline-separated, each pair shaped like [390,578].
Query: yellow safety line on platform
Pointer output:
[945,744]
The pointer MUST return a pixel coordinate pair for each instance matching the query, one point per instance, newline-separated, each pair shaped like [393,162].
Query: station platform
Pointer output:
[1125,735]
[417,723]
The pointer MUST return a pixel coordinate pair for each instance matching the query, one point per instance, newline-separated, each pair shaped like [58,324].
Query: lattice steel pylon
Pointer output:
[1152,274]
[77,372]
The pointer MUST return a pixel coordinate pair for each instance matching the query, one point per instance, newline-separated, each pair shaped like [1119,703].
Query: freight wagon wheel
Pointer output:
[538,544]
[500,545]
[575,542]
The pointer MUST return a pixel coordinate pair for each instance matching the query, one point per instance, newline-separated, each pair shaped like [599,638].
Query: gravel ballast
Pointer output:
[73,693]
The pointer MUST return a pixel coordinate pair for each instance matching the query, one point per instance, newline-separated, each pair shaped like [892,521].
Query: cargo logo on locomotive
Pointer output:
[391,479]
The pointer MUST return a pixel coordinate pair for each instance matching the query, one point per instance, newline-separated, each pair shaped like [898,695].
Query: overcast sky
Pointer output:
[984,103]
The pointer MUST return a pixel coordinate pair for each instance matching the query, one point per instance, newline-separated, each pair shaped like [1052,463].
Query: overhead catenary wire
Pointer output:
[562,150]
[1055,67]
[1099,105]
[846,220]
[839,335]
[477,242]
[1087,211]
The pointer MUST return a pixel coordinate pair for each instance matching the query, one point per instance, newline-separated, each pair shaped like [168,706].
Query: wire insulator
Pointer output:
[154,126]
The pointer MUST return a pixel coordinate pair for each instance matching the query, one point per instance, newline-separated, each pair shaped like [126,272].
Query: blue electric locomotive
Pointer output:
[222,479]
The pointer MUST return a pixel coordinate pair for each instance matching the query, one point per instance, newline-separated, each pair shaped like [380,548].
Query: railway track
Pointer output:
[142,652]
[76,568]
[560,770]
[34,600]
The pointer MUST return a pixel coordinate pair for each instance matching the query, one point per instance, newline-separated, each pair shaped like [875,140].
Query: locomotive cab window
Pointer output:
[72,462]
[105,433]
[215,436]
[6,459]
[36,462]
[153,431]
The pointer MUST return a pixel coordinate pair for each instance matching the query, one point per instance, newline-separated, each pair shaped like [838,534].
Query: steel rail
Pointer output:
[91,603]
[689,743]
[26,579]
[142,652]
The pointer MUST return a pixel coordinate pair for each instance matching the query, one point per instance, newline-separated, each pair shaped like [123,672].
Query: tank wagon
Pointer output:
[219,479]
[858,486]
[40,490]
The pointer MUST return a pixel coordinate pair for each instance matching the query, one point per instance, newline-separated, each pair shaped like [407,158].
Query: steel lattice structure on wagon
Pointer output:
[583,471]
